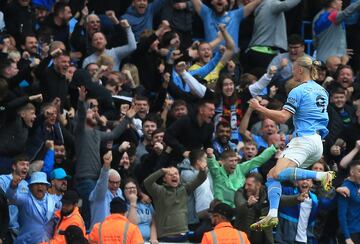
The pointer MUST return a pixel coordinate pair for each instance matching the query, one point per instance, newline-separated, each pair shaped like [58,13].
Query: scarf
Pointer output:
[231,113]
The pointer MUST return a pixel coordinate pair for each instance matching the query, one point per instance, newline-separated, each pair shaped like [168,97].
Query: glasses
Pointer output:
[114,182]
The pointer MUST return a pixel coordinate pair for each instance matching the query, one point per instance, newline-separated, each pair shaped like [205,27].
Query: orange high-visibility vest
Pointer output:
[225,233]
[73,219]
[115,229]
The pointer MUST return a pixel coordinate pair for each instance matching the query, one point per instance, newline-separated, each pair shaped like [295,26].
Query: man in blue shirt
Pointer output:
[307,104]
[329,29]
[36,208]
[140,15]
[20,168]
[219,15]
[106,188]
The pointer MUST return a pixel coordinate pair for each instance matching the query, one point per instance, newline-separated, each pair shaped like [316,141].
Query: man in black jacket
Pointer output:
[19,18]
[58,23]
[193,131]
[146,56]
[14,134]
[341,116]
[53,82]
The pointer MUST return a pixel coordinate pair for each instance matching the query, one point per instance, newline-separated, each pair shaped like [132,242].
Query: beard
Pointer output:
[91,122]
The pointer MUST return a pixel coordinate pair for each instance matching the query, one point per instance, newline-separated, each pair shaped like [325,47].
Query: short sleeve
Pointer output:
[239,13]
[293,100]
[204,11]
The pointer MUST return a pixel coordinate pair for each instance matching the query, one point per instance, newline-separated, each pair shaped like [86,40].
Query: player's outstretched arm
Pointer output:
[279,116]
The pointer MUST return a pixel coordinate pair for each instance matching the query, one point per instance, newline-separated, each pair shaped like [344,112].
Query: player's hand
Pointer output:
[254,104]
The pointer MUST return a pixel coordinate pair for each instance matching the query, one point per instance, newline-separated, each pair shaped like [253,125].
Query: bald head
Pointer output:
[332,63]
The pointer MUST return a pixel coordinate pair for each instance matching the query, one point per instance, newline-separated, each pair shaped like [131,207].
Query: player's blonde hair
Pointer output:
[308,63]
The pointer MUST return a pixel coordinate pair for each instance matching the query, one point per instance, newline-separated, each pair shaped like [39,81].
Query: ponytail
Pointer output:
[309,64]
[314,72]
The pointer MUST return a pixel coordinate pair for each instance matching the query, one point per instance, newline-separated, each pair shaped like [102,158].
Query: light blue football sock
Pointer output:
[274,194]
[298,174]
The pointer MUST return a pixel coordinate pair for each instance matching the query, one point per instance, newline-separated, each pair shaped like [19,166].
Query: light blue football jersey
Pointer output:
[308,103]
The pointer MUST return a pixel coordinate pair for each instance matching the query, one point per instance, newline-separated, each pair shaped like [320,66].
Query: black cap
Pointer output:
[72,234]
[70,197]
[118,205]
[224,210]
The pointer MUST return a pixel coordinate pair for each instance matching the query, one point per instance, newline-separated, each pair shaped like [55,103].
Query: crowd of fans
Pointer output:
[128,121]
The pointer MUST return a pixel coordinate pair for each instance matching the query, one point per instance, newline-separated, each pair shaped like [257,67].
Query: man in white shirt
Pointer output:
[297,220]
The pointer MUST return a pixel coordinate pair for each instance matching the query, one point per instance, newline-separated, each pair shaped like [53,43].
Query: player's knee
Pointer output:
[273,173]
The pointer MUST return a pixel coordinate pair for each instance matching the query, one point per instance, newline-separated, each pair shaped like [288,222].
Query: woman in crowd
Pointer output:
[139,212]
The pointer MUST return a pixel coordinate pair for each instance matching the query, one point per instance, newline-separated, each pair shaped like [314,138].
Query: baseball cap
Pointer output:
[70,197]
[59,174]
[224,210]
